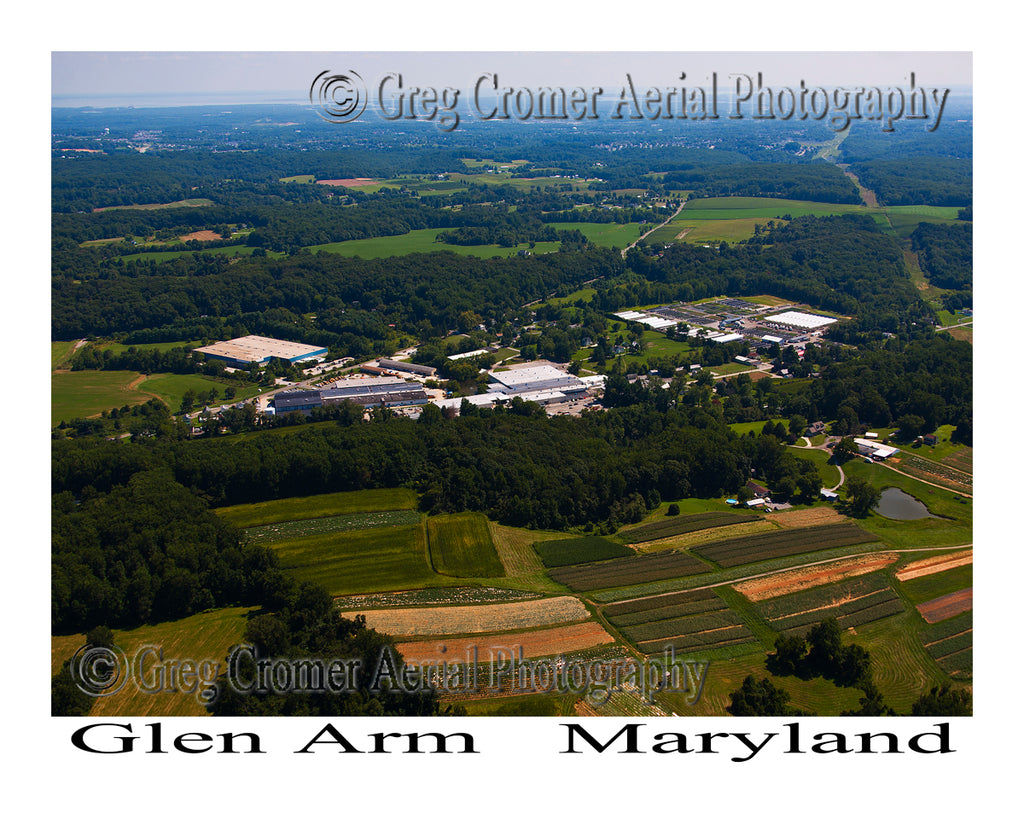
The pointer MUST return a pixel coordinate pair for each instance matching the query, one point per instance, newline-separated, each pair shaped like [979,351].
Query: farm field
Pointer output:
[569,552]
[949,605]
[206,636]
[737,551]
[951,644]
[170,255]
[627,571]
[90,392]
[606,234]
[795,580]
[286,530]
[509,616]
[422,241]
[543,642]
[368,560]
[928,587]
[933,565]
[461,546]
[60,353]
[316,506]
[852,602]
[667,527]
[171,387]
[689,622]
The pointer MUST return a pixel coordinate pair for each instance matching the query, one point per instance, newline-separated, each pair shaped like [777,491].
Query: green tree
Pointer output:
[861,497]
[943,702]
[760,698]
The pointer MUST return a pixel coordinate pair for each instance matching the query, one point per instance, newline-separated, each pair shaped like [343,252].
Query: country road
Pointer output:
[656,227]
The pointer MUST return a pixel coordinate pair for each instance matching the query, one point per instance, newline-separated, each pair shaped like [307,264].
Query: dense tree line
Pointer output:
[922,180]
[946,253]
[422,293]
[818,182]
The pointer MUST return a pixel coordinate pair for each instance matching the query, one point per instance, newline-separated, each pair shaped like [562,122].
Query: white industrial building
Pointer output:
[533,379]
[873,449]
[805,321]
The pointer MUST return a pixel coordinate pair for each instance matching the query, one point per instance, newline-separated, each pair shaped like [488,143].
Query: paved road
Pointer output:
[648,233]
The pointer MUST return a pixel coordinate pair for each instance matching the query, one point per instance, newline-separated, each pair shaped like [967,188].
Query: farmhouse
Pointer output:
[241,352]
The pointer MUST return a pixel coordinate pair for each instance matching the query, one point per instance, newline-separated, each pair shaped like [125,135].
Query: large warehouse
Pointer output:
[532,379]
[805,321]
[241,352]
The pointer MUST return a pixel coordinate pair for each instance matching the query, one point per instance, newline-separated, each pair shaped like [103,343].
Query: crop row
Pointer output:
[875,605]
[630,606]
[288,530]
[947,628]
[718,639]
[627,571]
[677,626]
[960,663]
[701,606]
[556,553]
[667,527]
[951,645]
[752,548]
[820,596]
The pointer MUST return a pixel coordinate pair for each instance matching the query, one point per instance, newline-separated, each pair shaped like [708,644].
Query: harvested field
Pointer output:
[461,546]
[202,236]
[439,620]
[932,565]
[346,183]
[796,518]
[535,643]
[777,585]
[949,605]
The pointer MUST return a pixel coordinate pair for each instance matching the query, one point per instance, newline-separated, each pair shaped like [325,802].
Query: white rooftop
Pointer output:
[797,319]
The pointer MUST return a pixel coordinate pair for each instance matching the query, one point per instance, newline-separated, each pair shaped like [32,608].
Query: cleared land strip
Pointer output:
[436,621]
[795,580]
[533,643]
[934,565]
[949,605]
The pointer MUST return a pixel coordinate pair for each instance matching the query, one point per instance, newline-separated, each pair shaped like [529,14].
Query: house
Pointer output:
[930,439]
[829,495]
[758,491]
[817,428]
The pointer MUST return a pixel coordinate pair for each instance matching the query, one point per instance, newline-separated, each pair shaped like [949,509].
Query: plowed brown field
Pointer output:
[776,585]
[536,643]
[949,605]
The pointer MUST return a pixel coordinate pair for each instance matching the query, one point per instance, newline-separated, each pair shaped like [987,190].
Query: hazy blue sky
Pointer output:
[82,77]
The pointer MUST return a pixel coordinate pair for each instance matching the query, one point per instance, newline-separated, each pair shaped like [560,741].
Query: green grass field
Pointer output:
[461,546]
[369,560]
[90,392]
[248,515]
[201,637]
[606,234]
[60,353]
[931,586]
[168,255]
[422,241]
[171,387]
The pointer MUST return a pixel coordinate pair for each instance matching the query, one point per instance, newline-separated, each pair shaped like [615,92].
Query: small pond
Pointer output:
[898,505]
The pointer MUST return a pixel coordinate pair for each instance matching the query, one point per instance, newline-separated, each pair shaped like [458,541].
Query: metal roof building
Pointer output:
[260,349]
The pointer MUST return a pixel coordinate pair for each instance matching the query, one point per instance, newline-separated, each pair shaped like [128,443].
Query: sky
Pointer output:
[176,77]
